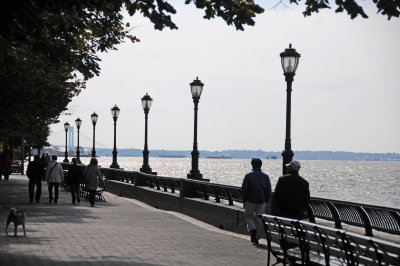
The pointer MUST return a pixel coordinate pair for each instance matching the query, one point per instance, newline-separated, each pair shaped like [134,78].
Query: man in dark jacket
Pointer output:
[75,177]
[35,173]
[292,193]
[256,190]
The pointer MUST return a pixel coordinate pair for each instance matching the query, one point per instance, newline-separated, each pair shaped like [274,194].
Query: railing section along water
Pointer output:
[362,215]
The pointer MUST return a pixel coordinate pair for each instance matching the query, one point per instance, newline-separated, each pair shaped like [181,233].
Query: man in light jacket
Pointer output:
[54,176]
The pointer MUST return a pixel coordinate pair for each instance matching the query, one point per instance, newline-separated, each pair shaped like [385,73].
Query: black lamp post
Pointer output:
[78,123]
[115,113]
[66,127]
[289,61]
[94,117]
[196,88]
[146,104]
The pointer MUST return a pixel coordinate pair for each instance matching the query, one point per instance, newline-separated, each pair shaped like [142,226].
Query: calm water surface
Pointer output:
[369,182]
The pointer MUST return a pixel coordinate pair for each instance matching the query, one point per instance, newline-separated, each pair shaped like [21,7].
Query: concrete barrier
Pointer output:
[226,217]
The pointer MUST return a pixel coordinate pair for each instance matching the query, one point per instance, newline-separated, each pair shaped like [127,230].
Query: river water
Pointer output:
[371,182]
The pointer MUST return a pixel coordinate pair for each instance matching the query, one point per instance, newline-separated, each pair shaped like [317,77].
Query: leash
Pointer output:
[5,206]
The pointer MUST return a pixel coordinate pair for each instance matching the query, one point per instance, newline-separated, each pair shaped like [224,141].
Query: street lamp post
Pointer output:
[66,127]
[146,104]
[78,123]
[196,88]
[115,113]
[289,60]
[94,117]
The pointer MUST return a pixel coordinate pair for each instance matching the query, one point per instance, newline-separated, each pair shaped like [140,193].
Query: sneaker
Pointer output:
[50,200]
[31,200]
[253,237]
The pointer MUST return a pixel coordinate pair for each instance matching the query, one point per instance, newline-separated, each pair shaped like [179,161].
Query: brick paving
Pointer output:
[117,232]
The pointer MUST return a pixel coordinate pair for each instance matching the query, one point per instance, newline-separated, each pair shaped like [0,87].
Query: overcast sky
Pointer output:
[345,93]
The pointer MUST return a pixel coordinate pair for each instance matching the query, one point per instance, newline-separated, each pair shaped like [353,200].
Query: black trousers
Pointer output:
[6,171]
[31,186]
[75,191]
[55,185]
[91,196]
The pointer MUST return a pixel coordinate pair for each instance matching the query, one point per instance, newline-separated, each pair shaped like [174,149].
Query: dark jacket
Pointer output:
[75,174]
[256,187]
[35,170]
[292,194]
[93,175]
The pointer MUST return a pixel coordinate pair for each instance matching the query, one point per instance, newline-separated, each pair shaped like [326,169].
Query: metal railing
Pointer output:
[368,216]
[362,215]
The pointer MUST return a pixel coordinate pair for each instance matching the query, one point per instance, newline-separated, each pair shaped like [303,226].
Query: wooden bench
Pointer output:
[312,244]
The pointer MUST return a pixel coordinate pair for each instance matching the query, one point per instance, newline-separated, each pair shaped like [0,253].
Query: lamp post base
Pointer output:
[147,170]
[114,165]
[197,176]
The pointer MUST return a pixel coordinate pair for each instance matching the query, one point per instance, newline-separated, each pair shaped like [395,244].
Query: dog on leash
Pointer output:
[18,218]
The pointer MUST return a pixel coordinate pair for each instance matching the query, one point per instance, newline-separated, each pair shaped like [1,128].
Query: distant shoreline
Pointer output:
[243,154]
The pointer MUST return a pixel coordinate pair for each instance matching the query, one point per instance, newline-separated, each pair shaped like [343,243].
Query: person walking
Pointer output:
[47,159]
[292,193]
[8,159]
[1,164]
[35,173]
[54,175]
[75,177]
[256,191]
[93,176]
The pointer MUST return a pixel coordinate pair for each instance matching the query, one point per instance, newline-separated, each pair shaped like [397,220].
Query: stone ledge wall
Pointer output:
[230,218]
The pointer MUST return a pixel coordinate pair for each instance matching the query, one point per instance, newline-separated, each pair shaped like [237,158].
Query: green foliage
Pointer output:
[389,8]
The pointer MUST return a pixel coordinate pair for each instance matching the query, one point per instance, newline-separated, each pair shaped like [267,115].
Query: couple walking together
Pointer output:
[54,176]
[291,195]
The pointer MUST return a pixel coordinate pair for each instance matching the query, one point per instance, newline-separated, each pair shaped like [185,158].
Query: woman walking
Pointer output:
[93,176]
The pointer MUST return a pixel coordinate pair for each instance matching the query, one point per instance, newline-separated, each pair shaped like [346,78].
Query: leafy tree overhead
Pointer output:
[389,8]
[48,49]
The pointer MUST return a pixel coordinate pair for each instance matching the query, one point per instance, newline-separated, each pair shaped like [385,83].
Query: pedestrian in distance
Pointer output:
[292,193]
[75,177]
[54,176]
[256,191]
[93,177]
[1,164]
[8,159]
[35,173]
[42,159]
[47,159]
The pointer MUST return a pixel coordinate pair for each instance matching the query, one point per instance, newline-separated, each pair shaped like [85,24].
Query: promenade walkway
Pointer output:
[117,232]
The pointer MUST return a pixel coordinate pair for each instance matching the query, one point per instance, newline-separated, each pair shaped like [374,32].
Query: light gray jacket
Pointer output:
[54,172]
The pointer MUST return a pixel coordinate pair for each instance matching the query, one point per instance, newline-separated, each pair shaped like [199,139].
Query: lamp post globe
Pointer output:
[289,61]
[78,123]
[146,104]
[196,88]
[115,114]
[94,118]
[66,127]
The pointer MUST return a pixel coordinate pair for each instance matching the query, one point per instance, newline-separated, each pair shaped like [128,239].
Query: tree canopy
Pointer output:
[48,49]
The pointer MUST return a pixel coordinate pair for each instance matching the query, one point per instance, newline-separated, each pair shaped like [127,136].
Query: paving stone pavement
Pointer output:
[120,231]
